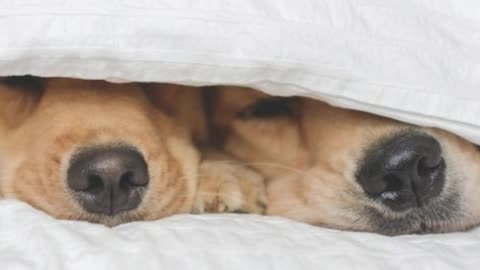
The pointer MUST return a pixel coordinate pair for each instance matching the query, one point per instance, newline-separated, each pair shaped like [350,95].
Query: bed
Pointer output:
[416,61]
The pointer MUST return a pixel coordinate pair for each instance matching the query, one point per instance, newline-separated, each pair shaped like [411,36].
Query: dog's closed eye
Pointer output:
[26,82]
[268,108]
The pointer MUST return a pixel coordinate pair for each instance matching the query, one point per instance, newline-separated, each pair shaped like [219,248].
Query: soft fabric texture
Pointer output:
[32,240]
[413,60]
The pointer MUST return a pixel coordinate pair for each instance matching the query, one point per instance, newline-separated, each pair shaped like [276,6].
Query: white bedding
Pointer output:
[33,240]
[414,60]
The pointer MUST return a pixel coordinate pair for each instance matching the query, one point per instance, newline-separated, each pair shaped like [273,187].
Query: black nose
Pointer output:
[404,172]
[108,180]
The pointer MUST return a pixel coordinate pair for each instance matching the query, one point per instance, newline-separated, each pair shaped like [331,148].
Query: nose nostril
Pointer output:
[126,181]
[393,183]
[428,166]
[95,184]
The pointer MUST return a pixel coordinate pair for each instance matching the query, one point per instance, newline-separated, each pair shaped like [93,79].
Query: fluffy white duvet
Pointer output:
[414,60]
[33,240]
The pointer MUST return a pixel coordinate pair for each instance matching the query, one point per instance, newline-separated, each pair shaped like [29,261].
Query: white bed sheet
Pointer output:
[414,60]
[30,239]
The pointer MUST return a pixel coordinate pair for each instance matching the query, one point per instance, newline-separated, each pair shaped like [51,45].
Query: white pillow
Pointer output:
[416,60]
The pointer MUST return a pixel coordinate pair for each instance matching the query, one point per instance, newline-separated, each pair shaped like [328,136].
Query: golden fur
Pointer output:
[310,152]
[209,151]
[44,123]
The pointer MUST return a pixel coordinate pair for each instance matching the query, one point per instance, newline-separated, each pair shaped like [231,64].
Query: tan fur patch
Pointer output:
[311,161]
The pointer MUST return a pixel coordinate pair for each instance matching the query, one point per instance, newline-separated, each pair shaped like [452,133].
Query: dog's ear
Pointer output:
[19,96]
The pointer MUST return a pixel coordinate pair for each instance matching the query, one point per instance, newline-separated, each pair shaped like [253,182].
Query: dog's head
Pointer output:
[351,170]
[92,150]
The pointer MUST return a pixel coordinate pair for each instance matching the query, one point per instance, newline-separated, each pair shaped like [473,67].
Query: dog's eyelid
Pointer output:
[26,82]
[267,108]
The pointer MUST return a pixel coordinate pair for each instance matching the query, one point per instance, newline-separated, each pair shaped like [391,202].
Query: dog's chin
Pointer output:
[441,215]
[109,221]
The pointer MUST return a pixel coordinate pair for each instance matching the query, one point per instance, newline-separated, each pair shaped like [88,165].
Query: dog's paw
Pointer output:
[227,186]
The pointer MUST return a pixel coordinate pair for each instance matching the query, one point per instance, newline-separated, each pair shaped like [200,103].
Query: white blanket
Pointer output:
[414,60]
[32,240]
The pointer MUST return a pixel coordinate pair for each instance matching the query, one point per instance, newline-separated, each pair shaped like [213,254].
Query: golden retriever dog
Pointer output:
[113,153]
[109,153]
[350,170]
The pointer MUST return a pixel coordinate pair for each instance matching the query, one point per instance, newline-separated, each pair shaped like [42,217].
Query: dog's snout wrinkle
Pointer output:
[405,172]
[108,180]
